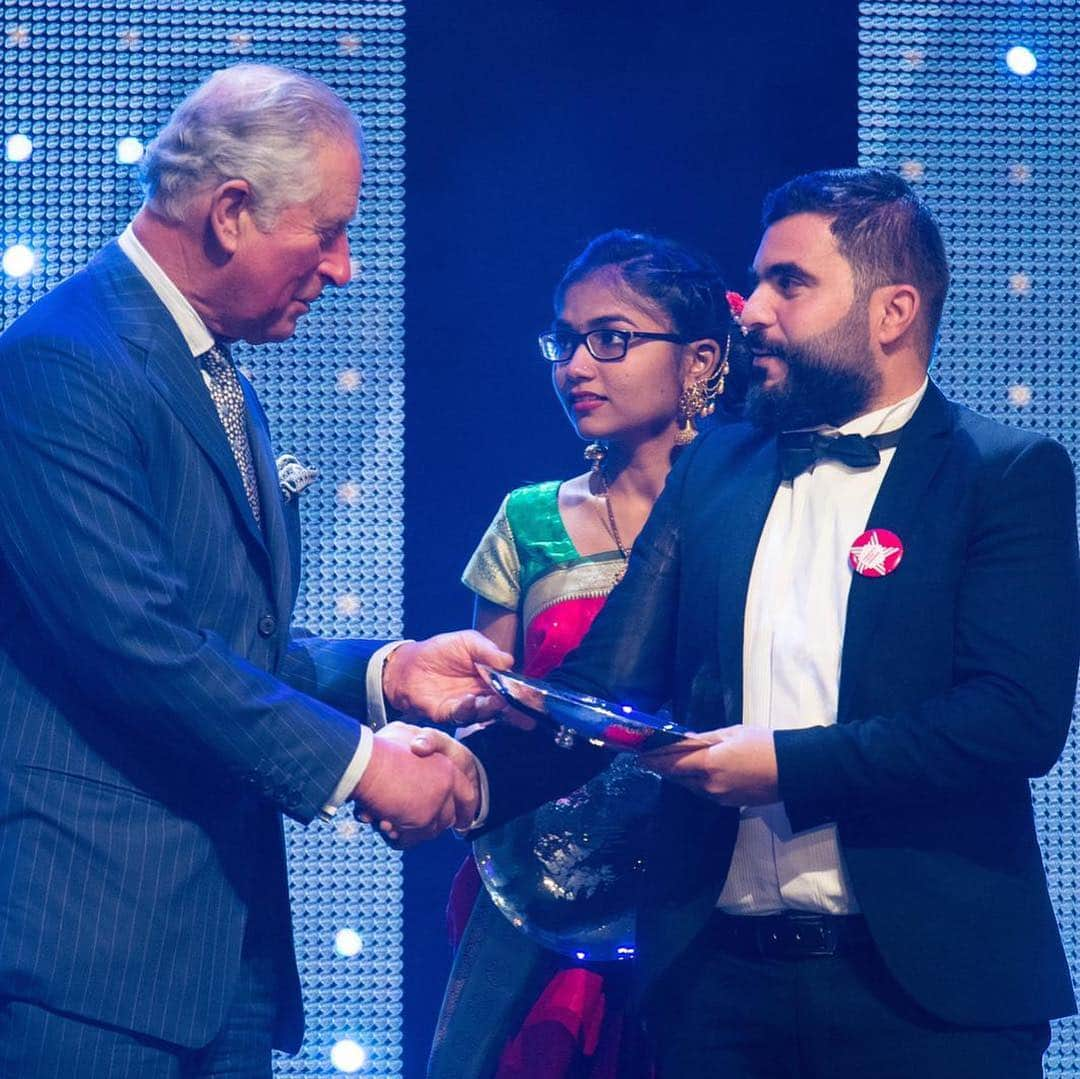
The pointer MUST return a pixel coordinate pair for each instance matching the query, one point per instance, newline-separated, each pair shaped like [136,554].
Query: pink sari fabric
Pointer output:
[563,1028]
[556,631]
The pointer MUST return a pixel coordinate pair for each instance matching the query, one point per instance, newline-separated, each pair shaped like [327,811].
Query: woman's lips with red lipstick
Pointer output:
[586,402]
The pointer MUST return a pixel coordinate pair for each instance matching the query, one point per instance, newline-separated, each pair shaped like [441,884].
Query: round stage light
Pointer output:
[18,147]
[129,151]
[347,1056]
[18,260]
[348,943]
[1020,60]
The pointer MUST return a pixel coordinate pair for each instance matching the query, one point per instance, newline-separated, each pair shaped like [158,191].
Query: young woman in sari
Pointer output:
[639,348]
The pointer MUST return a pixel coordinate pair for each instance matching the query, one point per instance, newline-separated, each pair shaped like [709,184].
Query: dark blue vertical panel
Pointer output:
[534,125]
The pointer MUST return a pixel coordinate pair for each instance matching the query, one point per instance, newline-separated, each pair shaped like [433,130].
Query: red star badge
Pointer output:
[876,553]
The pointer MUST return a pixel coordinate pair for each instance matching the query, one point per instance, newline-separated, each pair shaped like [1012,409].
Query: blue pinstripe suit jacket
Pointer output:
[157,716]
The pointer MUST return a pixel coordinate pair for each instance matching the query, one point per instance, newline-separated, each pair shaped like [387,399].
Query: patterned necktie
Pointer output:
[801,450]
[228,399]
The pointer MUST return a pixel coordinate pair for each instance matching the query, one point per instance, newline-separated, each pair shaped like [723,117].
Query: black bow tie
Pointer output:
[801,450]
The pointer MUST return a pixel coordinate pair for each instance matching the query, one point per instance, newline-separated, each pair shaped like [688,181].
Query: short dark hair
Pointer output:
[683,284]
[882,228]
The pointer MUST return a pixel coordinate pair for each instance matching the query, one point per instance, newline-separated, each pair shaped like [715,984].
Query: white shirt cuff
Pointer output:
[376,702]
[482,812]
[485,796]
[355,769]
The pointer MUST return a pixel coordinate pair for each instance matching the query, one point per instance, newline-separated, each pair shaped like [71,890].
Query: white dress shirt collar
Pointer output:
[199,339]
[883,420]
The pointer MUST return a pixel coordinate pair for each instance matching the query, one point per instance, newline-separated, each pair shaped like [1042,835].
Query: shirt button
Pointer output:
[267,625]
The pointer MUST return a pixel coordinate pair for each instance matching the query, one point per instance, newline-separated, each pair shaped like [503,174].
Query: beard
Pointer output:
[831,378]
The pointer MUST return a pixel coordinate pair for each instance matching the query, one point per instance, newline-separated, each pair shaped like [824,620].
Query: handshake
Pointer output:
[420,781]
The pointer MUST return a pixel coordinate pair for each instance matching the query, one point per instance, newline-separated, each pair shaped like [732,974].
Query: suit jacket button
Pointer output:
[267,625]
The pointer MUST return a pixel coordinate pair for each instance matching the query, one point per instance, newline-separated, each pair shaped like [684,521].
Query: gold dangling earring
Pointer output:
[691,403]
[699,399]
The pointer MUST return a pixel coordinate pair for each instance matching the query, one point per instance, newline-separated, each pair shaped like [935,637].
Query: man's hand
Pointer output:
[413,796]
[428,741]
[437,678]
[737,768]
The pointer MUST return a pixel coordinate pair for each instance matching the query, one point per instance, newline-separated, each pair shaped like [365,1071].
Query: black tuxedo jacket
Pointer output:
[157,714]
[957,686]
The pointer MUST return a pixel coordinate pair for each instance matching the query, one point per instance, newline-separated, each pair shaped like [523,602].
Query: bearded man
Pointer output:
[866,600]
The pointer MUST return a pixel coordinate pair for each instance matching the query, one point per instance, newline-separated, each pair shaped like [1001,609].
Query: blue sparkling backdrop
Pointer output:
[79,75]
[996,155]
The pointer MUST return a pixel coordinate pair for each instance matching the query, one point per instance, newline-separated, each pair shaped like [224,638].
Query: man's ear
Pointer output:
[230,213]
[895,309]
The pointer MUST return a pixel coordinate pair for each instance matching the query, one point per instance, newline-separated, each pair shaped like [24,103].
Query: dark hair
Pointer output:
[881,226]
[683,284]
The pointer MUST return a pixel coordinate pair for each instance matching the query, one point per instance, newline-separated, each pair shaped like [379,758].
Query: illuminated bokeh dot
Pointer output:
[1020,284]
[913,58]
[129,151]
[1021,60]
[1019,173]
[348,380]
[355,266]
[912,171]
[347,1056]
[347,943]
[130,39]
[18,147]
[19,260]
[349,44]
[347,605]
[349,493]
[19,37]
[1019,395]
[347,828]
[240,41]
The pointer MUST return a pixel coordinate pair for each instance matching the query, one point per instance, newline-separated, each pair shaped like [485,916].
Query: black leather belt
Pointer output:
[791,935]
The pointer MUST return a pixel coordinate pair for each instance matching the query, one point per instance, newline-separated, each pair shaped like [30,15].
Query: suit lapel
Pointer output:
[746,505]
[142,320]
[898,507]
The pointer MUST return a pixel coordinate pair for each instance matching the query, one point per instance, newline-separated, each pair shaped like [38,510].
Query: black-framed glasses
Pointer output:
[557,346]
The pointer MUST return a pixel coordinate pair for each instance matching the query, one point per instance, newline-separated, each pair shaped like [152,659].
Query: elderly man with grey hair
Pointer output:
[159,717]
